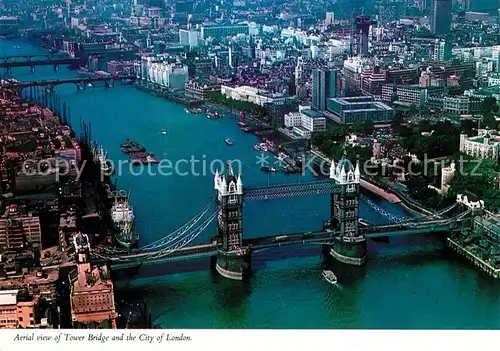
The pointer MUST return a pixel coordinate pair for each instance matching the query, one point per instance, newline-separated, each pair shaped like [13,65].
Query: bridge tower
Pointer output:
[233,260]
[349,245]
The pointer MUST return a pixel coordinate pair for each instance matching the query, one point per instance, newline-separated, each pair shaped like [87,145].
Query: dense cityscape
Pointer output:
[393,98]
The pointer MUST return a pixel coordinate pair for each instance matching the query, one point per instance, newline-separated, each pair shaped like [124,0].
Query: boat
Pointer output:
[142,158]
[163,132]
[100,157]
[127,237]
[229,142]
[268,169]
[330,277]
[193,110]
[131,146]
[256,147]
[122,214]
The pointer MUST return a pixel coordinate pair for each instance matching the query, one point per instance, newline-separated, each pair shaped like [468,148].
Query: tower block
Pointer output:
[349,245]
[233,260]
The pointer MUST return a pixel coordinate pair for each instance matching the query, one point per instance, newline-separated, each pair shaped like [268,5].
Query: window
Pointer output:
[20,319]
[31,314]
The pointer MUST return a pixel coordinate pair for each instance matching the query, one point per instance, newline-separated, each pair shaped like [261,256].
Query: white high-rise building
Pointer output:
[169,75]
[330,17]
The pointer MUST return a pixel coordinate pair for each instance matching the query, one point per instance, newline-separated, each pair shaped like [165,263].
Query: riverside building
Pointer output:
[483,146]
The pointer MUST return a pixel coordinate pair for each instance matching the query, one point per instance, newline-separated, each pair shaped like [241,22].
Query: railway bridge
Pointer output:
[343,233]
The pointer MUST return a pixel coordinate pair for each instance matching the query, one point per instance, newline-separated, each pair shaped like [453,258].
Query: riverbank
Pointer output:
[476,261]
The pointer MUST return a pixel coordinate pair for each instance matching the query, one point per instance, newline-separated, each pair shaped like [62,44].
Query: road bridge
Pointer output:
[343,233]
[80,82]
[8,64]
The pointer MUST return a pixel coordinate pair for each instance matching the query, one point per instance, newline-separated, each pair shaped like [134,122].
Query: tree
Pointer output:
[368,127]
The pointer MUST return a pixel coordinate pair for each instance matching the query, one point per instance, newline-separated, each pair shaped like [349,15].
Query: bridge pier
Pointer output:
[32,69]
[349,252]
[235,265]
[56,68]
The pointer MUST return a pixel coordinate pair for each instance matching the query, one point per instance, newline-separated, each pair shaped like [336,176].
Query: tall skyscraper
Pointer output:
[324,87]
[363,24]
[440,17]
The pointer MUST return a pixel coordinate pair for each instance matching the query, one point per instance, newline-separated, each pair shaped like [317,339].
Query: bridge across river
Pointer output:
[344,234]
[80,82]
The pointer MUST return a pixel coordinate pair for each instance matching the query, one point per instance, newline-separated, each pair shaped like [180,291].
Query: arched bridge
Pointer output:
[80,82]
[342,233]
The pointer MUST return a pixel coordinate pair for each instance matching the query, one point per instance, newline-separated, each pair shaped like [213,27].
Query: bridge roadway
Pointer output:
[287,190]
[49,62]
[53,82]
[182,254]
[256,244]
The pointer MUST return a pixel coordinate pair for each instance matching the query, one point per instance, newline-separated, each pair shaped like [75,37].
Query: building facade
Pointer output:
[305,122]
[158,71]
[324,87]
[358,109]
[440,19]
[483,146]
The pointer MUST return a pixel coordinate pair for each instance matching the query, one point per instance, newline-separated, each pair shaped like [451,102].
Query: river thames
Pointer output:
[412,282]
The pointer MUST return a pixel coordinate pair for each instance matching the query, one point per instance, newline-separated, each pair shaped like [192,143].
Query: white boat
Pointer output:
[228,142]
[163,132]
[122,214]
[330,277]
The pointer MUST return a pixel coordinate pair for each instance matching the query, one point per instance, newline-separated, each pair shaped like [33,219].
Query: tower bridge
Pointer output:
[343,234]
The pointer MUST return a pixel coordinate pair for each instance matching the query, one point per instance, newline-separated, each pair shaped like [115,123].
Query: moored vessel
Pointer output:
[131,146]
[128,237]
[229,142]
[268,169]
[122,213]
[330,277]
[100,157]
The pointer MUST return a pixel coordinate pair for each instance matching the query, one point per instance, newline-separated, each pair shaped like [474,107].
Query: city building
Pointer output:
[251,94]
[372,81]
[275,111]
[19,230]
[163,73]
[9,25]
[412,94]
[363,24]
[324,87]
[188,38]
[358,109]
[305,122]
[223,30]
[200,91]
[442,50]
[483,146]
[440,19]
[15,311]
[92,294]
[461,105]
